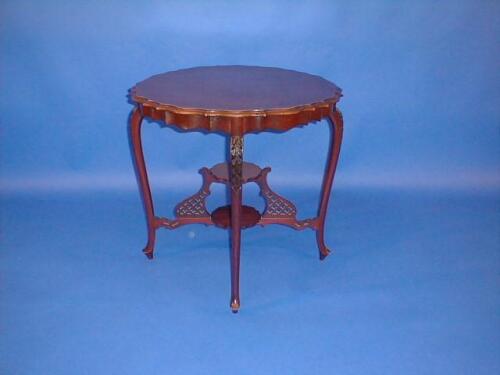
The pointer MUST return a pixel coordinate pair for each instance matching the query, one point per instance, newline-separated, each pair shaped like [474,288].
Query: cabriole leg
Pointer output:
[337,128]
[236,160]
[135,133]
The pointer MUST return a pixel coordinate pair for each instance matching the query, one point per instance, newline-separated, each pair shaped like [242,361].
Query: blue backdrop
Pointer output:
[414,284]
[420,80]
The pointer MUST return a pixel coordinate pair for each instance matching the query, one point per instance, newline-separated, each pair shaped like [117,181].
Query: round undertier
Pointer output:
[221,216]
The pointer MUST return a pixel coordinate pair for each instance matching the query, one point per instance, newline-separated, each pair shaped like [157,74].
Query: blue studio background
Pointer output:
[413,285]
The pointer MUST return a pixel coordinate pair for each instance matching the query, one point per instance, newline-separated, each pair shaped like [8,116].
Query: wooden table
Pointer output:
[234,101]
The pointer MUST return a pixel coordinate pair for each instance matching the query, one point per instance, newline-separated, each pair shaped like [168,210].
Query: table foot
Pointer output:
[235,305]
[148,252]
[320,240]
[323,253]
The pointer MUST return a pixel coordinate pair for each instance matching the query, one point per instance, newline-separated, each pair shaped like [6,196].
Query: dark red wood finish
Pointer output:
[337,123]
[147,200]
[221,217]
[236,100]
[236,178]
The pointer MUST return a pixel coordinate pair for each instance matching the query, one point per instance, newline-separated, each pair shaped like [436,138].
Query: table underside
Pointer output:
[193,210]
[235,173]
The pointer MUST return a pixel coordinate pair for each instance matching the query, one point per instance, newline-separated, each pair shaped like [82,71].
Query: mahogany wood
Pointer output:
[135,134]
[236,177]
[221,217]
[193,210]
[236,100]
[211,98]
[337,125]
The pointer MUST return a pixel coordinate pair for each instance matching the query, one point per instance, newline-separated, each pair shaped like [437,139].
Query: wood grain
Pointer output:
[235,99]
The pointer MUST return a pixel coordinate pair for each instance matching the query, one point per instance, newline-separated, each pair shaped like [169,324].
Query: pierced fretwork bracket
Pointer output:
[194,206]
[276,205]
[279,210]
[192,210]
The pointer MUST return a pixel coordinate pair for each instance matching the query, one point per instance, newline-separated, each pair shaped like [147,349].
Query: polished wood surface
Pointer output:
[221,216]
[210,98]
[236,100]
[236,88]
[140,165]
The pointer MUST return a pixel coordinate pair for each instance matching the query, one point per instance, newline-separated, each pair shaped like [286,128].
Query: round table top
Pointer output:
[235,90]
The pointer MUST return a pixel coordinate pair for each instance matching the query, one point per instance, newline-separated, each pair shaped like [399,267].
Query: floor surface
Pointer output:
[412,287]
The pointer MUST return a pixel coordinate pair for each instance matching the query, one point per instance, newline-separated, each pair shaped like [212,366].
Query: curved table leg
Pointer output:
[337,125]
[135,133]
[236,160]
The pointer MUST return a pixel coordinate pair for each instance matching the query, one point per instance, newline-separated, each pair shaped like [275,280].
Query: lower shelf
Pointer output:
[221,216]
